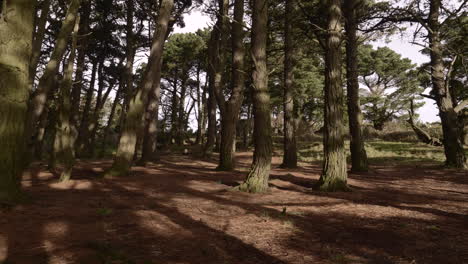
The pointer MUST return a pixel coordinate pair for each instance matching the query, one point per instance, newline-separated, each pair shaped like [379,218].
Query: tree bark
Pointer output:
[453,146]
[257,179]
[231,108]
[359,161]
[211,104]
[67,128]
[39,98]
[126,149]
[37,41]
[16,30]
[83,130]
[334,174]
[151,122]
[289,145]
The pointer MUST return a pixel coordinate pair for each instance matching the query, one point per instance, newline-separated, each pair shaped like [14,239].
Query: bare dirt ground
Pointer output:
[181,210]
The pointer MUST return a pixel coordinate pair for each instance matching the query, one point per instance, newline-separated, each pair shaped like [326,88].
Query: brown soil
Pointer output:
[181,210]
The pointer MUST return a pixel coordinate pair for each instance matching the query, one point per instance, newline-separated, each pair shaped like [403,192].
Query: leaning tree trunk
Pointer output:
[37,41]
[107,129]
[16,29]
[453,146]
[358,153]
[85,116]
[289,145]
[67,128]
[231,108]
[39,98]
[334,174]
[151,123]
[127,143]
[257,179]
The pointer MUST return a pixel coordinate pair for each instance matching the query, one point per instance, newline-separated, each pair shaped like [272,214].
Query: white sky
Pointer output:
[428,113]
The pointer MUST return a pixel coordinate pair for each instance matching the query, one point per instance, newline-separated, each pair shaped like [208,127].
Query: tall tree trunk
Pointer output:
[105,135]
[37,41]
[39,98]
[211,104]
[180,135]
[126,149]
[453,146]
[67,127]
[174,111]
[83,129]
[289,144]
[358,153]
[151,122]
[334,174]
[231,108]
[16,30]
[257,179]
[80,62]
[200,107]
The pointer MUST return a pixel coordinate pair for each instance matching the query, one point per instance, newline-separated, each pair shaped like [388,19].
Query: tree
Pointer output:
[391,82]
[334,174]
[39,97]
[230,108]
[257,179]
[127,144]
[358,153]
[289,145]
[67,127]
[16,29]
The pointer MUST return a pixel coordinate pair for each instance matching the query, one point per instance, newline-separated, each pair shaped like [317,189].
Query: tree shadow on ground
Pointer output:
[179,211]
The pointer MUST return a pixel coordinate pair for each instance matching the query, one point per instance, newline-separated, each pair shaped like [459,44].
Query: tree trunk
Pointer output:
[151,122]
[80,62]
[257,179]
[16,29]
[39,98]
[358,153]
[334,174]
[67,128]
[180,135]
[105,135]
[231,108]
[453,146]
[83,130]
[37,41]
[211,104]
[290,148]
[127,143]
[174,111]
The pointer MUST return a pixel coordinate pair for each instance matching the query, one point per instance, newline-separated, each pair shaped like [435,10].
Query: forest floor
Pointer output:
[180,210]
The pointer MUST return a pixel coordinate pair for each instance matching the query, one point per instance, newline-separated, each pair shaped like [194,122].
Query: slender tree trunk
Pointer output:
[257,179]
[83,130]
[358,153]
[231,108]
[39,98]
[180,135]
[80,62]
[174,111]
[126,149]
[211,104]
[200,106]
[289,144]
[453,146]
[334,174]
[109,122]
[37,41]
[67,128]
[16,30]
[151,122]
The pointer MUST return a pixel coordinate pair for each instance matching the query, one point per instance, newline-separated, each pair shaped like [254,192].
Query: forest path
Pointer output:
[180,210]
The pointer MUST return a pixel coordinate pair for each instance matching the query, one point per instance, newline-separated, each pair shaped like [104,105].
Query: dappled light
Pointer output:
[233,132]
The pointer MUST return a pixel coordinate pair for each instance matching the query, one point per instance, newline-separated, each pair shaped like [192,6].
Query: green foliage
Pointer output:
[391,83]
